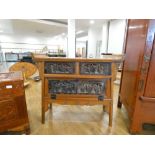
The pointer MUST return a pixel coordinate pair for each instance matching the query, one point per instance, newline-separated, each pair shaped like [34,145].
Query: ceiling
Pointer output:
[44,27]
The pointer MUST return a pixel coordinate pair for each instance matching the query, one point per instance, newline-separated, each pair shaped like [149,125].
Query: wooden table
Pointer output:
[76,81]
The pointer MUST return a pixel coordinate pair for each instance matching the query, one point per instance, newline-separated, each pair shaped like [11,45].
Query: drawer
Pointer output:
[11,89]
[59,68]
[96,87]
[95,68]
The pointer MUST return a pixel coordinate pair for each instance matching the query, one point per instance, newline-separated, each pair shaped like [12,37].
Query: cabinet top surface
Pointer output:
[11,76]
[107,58]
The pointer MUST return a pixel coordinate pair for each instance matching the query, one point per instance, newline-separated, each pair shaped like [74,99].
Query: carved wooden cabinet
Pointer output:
[13,110]
[137,90]
[75,81]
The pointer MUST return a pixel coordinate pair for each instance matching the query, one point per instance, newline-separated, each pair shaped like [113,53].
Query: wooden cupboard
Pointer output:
[76,81]
[137,89]
[13,109]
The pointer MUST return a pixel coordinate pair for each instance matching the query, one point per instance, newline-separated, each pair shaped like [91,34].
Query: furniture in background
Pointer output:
[76,81]
[15,57]
[137,90]
[27,69]
[13,109]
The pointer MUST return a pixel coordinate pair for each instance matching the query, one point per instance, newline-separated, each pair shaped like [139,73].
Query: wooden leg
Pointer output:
[104,108]
[27,131]
[43,115]
[136,129]
[119,104]
[136,125]
[110,113]
[51,106]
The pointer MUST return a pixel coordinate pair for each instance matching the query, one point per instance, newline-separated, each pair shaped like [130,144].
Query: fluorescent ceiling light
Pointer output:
[91,21]
[80,31]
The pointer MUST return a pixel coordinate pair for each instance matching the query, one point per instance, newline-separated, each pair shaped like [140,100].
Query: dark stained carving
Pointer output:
[59,67]
[95,68]
[90,87]
[76,87]
[62,86]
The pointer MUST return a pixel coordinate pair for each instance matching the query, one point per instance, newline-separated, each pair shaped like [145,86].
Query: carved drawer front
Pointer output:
[8,111]
[76,87]
[62,86]
[59,67]
[95,68]
[90,87]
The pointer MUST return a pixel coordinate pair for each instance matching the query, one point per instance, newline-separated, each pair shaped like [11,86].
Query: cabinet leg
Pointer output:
[135,130]
[104,108]
[51,106]
[119,104]
[110,113]
[43,115]
[136,126]
[27,131]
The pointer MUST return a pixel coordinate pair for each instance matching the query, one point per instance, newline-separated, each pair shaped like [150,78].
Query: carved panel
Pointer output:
[62,86]
[90,87]
[95,68]
[8,111]
[76,87]
[59,67]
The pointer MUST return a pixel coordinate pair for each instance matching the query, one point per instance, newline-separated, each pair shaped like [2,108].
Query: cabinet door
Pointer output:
[13,113]
[150,83]
[135,44]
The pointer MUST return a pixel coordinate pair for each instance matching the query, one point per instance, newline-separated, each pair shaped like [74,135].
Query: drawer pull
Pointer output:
[148,99]
[9,86]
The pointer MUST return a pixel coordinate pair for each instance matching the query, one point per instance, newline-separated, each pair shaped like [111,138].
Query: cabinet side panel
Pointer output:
[135,44]
[150,84]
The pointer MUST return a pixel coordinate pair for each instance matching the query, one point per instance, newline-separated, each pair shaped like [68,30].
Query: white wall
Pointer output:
[71,38]
[94,35]
[116,36]
[115,40]
[80,44]
[104,37]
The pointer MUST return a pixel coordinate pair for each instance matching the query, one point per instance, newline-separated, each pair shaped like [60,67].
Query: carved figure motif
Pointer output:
[97,68]
[59,67]
[76,87]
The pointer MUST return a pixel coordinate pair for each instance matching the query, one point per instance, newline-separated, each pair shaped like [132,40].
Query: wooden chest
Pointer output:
[13,109]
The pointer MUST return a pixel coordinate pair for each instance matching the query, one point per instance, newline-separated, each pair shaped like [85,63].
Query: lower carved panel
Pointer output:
[62,86]
[90,87]
[76,87]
